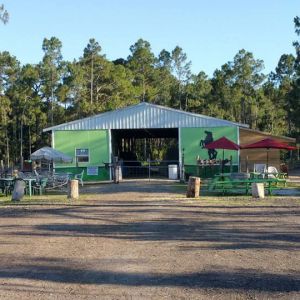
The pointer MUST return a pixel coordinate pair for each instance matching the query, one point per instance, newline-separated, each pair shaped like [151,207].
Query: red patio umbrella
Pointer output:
[268,144]
[223,143]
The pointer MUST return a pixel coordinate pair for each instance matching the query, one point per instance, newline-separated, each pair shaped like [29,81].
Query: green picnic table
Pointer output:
[226,183]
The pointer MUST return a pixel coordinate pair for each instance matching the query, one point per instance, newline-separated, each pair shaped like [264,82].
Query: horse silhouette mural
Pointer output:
[212,153]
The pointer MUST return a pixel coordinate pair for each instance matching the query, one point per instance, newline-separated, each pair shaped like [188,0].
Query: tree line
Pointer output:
[53,91]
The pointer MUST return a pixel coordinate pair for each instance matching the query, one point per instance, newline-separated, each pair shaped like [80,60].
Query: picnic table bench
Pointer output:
[245,184]
[6,185]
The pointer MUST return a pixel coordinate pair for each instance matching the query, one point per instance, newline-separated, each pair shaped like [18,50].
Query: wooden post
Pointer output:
[193,187]
[1,166]
[73,192]
[258,190]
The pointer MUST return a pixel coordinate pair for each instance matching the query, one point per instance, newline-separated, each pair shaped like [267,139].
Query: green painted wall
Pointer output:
[191,142]
[97,141]
[191,137]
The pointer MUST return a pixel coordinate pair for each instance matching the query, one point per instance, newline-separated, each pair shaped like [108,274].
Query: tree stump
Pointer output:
[73,192]
[193,187]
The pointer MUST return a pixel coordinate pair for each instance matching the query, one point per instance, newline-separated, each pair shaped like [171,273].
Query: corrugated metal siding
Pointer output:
[144,115]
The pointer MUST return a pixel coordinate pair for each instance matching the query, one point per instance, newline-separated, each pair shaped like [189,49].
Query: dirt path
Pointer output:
[150,247]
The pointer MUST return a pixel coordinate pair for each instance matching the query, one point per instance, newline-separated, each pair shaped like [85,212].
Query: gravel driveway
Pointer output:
[150,244]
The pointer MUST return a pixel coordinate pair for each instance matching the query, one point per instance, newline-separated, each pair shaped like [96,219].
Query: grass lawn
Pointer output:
[206,198]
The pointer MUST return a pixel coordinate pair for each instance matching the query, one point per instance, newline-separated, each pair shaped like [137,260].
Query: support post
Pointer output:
[182,170]
[149,167]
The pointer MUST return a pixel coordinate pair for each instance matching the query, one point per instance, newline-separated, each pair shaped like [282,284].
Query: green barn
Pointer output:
[147,139]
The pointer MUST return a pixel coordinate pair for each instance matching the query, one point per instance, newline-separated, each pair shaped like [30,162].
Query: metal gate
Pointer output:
[152,169]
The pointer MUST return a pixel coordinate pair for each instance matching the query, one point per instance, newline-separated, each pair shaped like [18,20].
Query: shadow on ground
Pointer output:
[240,279]
[211,227]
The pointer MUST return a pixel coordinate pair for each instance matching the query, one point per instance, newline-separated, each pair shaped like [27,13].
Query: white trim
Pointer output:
[53,145]
[180,153]
[83,162]
[239,151]
[109,152]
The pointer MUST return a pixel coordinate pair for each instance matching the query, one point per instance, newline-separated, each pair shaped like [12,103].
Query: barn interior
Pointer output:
[142,144]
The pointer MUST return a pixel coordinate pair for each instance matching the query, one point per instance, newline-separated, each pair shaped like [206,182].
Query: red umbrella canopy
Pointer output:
[269,144]
[222,143]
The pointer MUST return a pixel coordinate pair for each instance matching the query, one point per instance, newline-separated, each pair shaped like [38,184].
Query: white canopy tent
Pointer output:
[51,155]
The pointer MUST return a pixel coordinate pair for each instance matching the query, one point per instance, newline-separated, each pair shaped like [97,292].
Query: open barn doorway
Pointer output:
[147,153]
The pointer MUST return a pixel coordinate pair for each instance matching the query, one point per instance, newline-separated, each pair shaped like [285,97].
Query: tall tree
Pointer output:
[51,68]
[142,62]
[198,93]
[237,86]
[91,51]
[294,95]
[182,70]
[3,14]
[96,70]
[297,43]
[283,79]
[121,91]
[163,79]
[30,112]
[9,69]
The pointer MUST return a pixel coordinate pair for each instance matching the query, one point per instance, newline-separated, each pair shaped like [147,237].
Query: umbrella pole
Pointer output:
[223,162]
[267,161]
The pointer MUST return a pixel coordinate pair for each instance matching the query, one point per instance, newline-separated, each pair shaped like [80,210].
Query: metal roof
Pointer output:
[267,134]
[144,115]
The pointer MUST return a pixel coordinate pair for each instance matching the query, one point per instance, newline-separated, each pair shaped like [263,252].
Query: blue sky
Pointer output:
[210,32]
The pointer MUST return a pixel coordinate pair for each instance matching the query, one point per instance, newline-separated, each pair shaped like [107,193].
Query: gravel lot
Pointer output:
[142,241]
